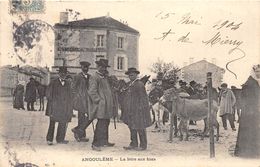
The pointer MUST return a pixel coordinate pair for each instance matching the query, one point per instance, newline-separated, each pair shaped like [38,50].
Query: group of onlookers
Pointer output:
[29,94]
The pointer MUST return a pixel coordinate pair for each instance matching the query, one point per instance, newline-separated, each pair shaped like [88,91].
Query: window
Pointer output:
[100,40]
[120,63]
[120,42]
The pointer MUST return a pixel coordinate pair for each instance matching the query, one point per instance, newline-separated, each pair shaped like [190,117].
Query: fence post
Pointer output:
[210,115]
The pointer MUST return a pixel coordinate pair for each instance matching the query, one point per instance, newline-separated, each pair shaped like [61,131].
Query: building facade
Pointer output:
[198,72]
[93,39]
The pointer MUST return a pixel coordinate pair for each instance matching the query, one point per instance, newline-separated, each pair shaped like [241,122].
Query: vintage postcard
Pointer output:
[129,83]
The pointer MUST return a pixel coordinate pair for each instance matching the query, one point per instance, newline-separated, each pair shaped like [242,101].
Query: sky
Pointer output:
[196,29]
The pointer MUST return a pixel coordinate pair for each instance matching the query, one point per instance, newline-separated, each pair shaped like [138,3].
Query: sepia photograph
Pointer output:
[129,83]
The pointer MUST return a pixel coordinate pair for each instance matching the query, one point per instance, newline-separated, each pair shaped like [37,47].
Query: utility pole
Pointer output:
[210,115]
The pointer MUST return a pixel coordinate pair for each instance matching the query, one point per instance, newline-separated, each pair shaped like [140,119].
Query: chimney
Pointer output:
[191,60]
[64,17]
[205,59]
[108,14]
[214,61]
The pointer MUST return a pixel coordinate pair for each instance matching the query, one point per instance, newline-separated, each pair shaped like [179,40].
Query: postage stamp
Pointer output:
[25,6]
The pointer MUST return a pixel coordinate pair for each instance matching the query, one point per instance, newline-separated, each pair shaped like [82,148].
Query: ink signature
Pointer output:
[219,39]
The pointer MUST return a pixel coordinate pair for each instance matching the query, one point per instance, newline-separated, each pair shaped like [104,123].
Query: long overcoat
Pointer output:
[135,106]
[100,103]
[30,92]
[227,101]
[80,86]
[248,137]
[18,96]
[59,105]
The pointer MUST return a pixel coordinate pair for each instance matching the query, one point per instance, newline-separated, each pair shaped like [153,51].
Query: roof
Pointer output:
[98,22]
[201,62]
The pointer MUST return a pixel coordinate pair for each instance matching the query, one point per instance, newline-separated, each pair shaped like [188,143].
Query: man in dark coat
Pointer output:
[18,96]
[100,105]
[59,106]
[248,145]
[80,86]
[192,91]
[136,112]
[30,94]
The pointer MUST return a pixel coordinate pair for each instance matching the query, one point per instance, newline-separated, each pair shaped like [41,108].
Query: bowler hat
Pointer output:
[192,82]
[223,85]
[63,69]
[132,70]
[102,62]
[84,63]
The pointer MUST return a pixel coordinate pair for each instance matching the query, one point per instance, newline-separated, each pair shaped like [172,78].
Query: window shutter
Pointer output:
[95,41]
[125,62]
[125,42]
[115,62]
[104,41]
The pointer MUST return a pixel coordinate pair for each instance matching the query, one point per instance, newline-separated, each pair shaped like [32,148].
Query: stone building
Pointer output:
[92,39]
[197,71]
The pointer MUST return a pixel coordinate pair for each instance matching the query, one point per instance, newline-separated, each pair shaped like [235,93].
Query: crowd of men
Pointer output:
[228,99]
[96,97]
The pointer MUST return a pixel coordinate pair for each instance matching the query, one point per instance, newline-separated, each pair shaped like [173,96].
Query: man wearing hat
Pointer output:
[136,112]
[80,86]
[59,106]
[183,86]
[30,94]
[100,104]
[192,91]
[227,100]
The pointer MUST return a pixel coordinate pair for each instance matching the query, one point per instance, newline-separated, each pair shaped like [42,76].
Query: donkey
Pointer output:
[189,109]
[41,89]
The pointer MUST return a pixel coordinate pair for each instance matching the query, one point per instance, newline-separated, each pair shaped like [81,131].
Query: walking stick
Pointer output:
[93,126]
[159,112]
[114,122]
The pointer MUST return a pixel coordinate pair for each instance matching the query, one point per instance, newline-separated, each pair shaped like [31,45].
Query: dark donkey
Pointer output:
[41,89]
